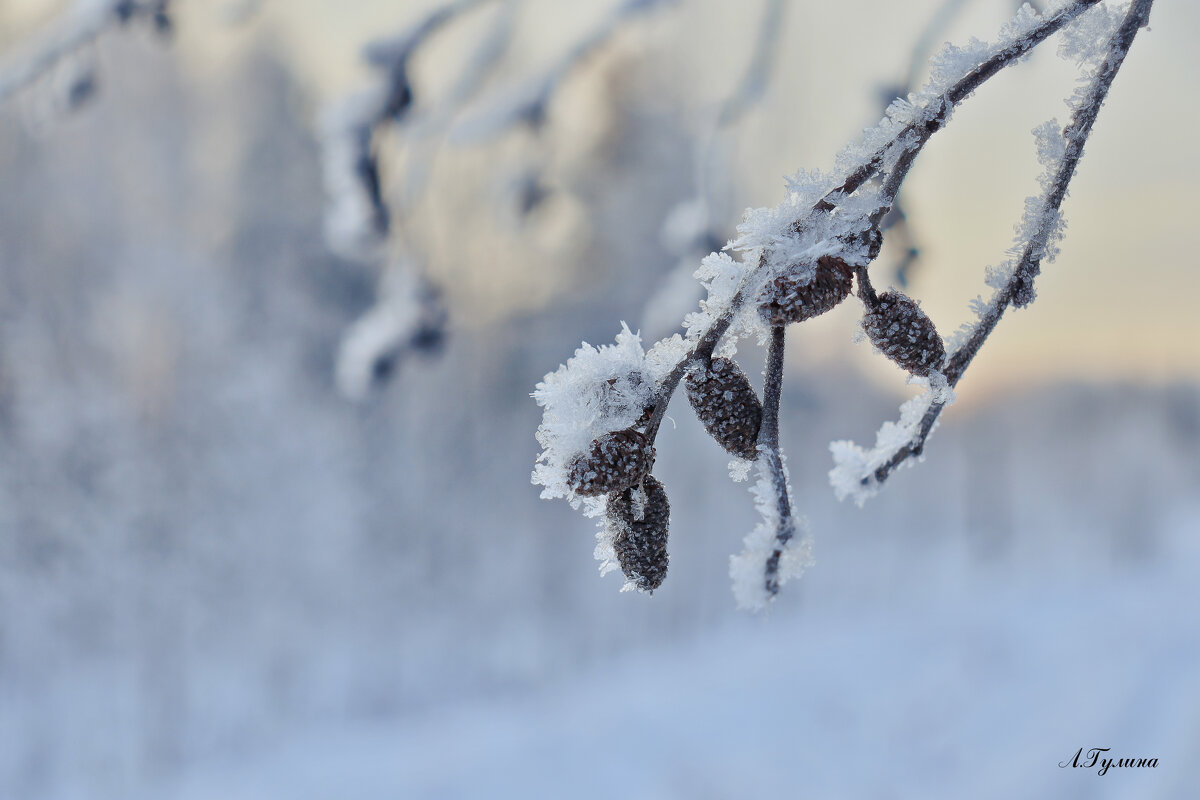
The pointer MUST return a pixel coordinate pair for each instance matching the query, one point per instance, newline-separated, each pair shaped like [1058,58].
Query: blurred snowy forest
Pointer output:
[231,568]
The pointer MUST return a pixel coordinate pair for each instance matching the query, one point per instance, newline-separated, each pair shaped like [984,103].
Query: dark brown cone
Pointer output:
[615,461]
[872,239]
[903,333]
[786,299]
[727,405]
[641,544]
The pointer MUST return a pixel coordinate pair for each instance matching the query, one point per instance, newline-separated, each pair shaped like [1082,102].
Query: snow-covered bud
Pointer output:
[793,298]
[725,402]
[901,331]
[639,518]
[615,461]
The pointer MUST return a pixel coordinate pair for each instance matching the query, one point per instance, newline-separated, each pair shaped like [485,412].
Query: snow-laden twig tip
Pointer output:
[1099,43]
[801,259]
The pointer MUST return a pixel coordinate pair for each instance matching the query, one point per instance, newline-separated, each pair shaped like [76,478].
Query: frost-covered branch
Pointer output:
[357,218]
[408,315]
[800,260]
[936,111]
[1042,228]
[81,26]
[895,223]
[927,42]
[898,140]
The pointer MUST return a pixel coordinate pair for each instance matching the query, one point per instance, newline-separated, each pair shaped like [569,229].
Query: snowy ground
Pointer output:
[975,682]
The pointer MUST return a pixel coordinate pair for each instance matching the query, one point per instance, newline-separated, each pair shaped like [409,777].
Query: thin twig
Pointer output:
[928,40]
[768,446]
[956,94]
[708,340]
[408,315]
[1019,289]
[896,221]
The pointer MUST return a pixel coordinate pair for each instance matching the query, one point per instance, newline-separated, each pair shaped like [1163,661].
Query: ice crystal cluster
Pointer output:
[797,261]
[600,390]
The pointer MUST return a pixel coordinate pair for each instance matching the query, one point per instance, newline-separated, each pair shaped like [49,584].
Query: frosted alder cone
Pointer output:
[790,298]
[615,461]
[639,518]
[872,239]
[904,333]
[724,400]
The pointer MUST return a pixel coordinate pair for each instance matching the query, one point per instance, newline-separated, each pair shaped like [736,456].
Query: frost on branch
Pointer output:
[408,317]
[750,587]
[356,217]
[855,467]
[1099,45]
[806,255]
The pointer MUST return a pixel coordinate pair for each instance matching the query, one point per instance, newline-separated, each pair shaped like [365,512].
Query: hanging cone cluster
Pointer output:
[902,332]
[639,518]
[725,402]
[615,461]
[789,298]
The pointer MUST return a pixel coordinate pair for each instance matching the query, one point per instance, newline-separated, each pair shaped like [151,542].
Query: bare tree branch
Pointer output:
[910,138]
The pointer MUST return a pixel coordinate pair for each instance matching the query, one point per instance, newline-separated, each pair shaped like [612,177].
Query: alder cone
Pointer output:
[725,402]
[902,332]
[787,299]
[615,461]
[641,544]
[872,239]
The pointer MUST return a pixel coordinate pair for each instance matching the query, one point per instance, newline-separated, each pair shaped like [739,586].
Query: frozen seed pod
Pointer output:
[615,461]
[725,402]
[902,332]
[789,298]
[871,239]
[639,517]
